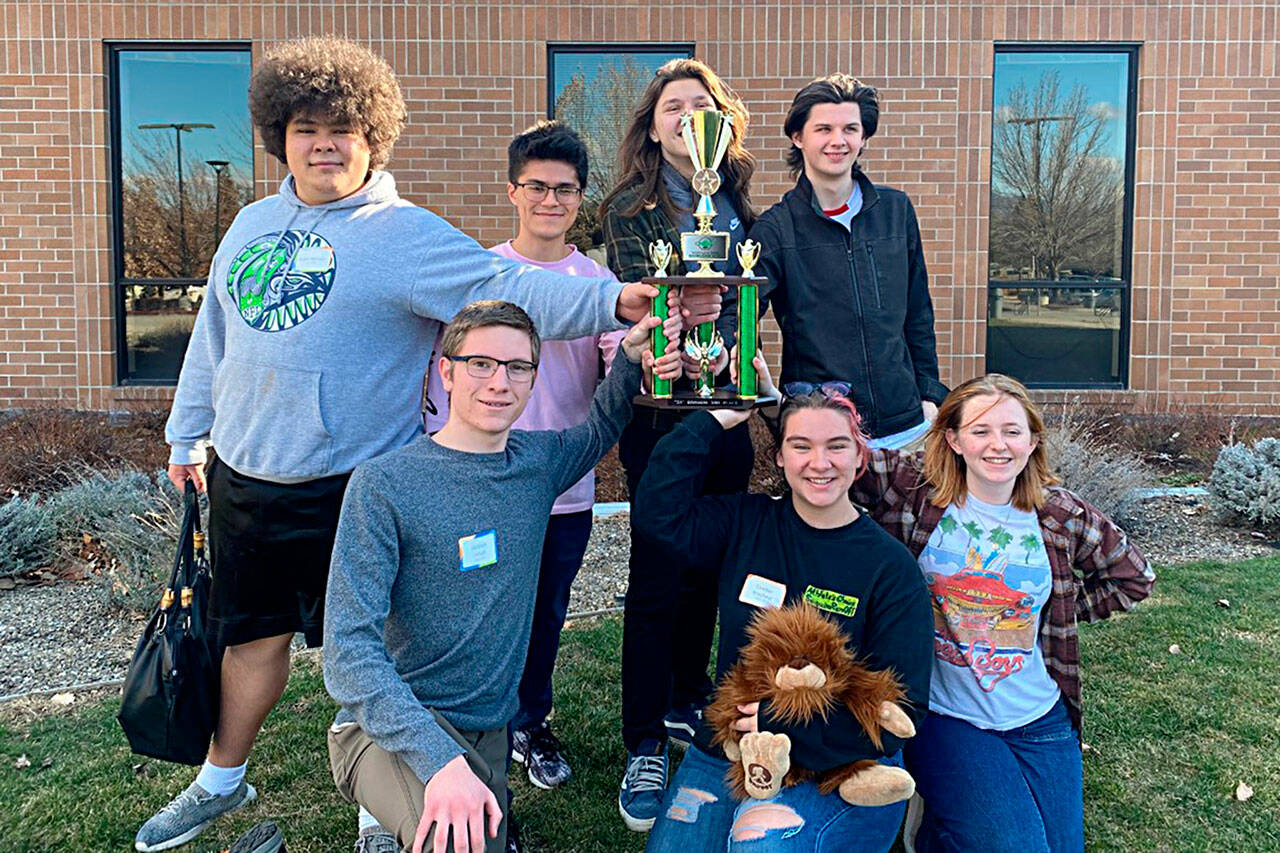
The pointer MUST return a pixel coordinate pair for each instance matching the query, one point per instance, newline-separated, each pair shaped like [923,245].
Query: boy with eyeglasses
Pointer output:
[547,170]
[432,584]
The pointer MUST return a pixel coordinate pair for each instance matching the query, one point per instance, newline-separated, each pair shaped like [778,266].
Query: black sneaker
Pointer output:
[544,758]
[520,744]
[682,722]
[264,837]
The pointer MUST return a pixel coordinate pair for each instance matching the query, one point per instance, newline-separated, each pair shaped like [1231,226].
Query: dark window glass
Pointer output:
[182,151]
[1065,335]
[594,89]
[1061,186]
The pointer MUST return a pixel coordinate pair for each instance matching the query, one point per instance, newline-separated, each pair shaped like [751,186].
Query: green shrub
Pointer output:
[28,536]
[124,524]
[1245,483]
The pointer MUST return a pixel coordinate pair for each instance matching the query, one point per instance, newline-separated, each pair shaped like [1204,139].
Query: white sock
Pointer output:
[220,780]
[368,822]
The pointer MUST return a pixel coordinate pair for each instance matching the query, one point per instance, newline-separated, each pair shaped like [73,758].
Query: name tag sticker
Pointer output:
[762,592]
[478,550]
[313,259]
[831,601]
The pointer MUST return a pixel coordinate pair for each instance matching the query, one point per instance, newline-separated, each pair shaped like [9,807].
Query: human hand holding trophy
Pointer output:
[707,134]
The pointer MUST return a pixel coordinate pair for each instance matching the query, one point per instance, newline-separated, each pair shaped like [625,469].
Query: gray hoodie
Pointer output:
[316,331]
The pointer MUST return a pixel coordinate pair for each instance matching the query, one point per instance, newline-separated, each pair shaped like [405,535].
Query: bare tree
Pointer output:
[150,203]
[600,109]
[1056,190]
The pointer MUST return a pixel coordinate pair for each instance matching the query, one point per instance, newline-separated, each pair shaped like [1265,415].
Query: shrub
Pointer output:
[1105,474]
[44,450]
[28,536]
[1245,483]
[127,523]
[123,524]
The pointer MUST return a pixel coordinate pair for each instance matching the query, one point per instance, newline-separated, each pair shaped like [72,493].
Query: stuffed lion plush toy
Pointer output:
[798,661]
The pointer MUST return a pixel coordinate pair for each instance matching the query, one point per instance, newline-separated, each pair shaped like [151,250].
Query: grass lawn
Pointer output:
[1171,735]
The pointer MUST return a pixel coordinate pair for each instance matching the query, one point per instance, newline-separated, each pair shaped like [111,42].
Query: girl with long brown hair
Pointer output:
[667,629]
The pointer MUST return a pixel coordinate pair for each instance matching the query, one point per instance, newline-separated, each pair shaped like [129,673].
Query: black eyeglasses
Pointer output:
[826,389]
[483,367]
[537,191]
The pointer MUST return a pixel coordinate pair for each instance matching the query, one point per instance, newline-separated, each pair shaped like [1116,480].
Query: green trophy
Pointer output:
[707,134]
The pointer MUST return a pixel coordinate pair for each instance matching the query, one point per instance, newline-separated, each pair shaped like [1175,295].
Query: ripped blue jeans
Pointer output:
[699,814]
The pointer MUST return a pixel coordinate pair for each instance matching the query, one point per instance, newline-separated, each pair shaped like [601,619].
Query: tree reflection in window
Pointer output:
[1058,166]
[174,210]
[595,91]
[182,144]
[1057,310]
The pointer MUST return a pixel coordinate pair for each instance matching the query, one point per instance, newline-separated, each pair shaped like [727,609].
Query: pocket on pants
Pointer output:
[1054,726]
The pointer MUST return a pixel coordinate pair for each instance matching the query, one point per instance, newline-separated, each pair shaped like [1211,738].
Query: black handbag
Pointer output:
[169,707]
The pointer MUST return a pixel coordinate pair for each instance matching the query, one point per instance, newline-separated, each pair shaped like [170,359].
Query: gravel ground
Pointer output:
[56,636]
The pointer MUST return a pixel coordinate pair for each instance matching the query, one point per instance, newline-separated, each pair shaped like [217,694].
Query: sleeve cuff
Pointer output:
[187,454]
[425,765]
[931,389]
[703,425]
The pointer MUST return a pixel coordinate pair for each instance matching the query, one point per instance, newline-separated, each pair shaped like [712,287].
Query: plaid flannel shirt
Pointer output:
[1096,570]
[626,242]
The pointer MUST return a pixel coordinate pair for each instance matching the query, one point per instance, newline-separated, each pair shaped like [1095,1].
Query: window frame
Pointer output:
[1125,281]
[555,48]
[119,282]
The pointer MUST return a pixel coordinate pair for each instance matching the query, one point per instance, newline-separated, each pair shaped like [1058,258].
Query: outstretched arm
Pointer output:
[667,508]
[582,446]
[1115,574]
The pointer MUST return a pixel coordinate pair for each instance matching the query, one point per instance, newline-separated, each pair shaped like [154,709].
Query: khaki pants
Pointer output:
[382,782]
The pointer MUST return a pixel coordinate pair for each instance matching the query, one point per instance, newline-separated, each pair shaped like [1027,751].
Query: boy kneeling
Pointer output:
[433,581]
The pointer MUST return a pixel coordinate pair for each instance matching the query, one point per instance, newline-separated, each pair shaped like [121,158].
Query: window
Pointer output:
[594,89]
[182,165]
[1061,207]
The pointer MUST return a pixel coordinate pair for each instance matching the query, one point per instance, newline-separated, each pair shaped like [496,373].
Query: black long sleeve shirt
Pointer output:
[886,607]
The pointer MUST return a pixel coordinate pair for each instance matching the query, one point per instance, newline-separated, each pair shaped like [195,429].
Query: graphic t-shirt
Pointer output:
[989,579]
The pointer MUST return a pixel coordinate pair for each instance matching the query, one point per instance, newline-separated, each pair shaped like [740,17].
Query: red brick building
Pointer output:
[1166,292]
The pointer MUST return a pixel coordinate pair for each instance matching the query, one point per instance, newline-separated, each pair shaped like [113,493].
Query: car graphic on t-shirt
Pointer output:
[975,604]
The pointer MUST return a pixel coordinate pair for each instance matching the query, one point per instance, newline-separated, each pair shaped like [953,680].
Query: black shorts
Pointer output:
[269,547]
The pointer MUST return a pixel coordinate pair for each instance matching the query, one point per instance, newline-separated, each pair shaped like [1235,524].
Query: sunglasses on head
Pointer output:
[825,389]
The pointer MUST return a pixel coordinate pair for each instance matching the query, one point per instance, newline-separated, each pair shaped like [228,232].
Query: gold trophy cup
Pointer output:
[707,134]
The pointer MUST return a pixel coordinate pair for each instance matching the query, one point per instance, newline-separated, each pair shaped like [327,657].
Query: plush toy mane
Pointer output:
[794,637]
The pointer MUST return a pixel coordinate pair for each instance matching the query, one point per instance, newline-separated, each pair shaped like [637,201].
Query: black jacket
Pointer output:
[853,305]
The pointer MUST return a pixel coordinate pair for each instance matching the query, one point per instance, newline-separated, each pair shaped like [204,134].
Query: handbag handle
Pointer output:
[183,573]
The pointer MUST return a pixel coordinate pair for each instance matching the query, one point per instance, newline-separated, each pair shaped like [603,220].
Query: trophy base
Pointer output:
[721,399]
[714,278]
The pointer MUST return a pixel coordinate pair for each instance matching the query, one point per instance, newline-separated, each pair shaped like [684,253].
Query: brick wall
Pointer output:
[1206,262]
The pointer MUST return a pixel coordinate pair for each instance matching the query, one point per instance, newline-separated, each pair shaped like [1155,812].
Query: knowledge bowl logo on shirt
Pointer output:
[280,279]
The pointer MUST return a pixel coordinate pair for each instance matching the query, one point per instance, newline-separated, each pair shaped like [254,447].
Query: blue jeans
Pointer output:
[1019,790]
[562,551]
[699,814]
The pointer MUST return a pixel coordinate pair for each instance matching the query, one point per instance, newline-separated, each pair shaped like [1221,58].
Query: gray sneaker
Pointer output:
[377,841]
[187,815]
